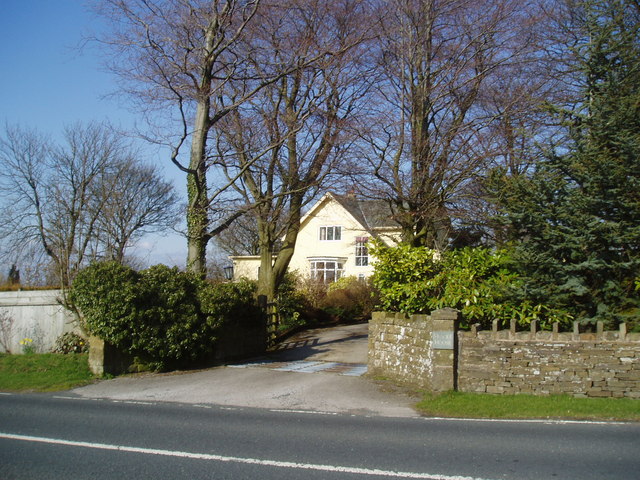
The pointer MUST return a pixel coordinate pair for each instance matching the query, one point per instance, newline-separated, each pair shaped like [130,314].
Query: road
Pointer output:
[64,436]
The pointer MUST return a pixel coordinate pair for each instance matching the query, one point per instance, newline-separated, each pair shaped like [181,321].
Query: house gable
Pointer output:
[331,241]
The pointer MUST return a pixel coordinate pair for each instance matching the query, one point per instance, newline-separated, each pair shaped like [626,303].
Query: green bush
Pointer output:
[401,275]
[70,342]
[230,302]
[108,297]
[166,318]
[477,281]
[294,303]
[173,330]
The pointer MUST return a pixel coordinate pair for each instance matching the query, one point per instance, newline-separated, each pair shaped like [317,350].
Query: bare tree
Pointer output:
[531,100]
[430,129]
[241,238]
[56,196]
[283,143]
[133,200]
[49,188]
[197,58]
[179,55]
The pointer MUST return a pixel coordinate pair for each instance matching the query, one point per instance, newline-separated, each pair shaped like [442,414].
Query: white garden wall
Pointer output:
[37,315]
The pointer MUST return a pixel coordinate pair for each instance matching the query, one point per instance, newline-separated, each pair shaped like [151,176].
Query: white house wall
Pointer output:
[309,244]
[328,213]
[245,267]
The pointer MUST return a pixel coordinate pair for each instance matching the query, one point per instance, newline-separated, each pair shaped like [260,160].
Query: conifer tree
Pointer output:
[575,222]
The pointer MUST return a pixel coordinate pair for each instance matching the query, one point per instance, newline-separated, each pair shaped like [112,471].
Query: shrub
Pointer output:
[70,342]
[311,291]
[477,281]
[166,318]
[401,275]
[109,298]
[223,303]
[172,329]
[295,303]
[349,300]
[302,301]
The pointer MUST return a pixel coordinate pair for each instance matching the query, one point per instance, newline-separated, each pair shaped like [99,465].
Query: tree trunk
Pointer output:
[197,210]
[266,286]
[272,272]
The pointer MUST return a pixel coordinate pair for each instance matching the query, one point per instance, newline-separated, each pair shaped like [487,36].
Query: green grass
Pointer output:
[47,372]
[469,405]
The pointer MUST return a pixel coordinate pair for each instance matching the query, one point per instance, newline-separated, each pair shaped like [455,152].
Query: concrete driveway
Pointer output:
[319,370]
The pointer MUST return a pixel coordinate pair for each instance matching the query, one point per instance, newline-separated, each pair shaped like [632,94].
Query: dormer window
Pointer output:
[330,233]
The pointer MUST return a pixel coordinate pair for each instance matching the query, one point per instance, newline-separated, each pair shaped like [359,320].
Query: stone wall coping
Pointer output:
[547,337]
[536,335]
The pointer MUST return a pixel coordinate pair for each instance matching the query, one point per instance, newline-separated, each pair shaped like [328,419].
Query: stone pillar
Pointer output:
[444,349]
[104,358]
[96,356]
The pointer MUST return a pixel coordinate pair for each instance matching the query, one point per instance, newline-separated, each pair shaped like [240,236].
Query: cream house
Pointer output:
[332,242]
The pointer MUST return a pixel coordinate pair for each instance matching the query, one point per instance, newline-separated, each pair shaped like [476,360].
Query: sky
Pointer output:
[47,82]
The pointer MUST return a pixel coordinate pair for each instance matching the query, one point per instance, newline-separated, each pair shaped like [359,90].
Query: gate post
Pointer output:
[444,349]
[270,312]
[104,358]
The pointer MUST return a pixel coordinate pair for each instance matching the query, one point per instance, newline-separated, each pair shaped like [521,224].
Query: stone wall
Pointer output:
[601,364]
[412,350]
[415,351]
[33,314]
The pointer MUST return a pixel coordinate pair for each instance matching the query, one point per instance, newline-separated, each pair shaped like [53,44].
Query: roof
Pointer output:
[371,214]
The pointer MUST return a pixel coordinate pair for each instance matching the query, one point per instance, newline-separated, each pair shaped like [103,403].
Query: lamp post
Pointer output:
[228,272]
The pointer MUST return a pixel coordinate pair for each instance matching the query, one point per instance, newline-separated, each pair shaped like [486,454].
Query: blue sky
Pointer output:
[46,82]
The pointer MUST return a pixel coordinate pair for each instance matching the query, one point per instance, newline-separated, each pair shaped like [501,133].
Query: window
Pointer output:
[362,252]
[326,270]
[330,233]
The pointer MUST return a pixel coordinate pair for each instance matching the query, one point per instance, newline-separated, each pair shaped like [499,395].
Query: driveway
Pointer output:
[322,370]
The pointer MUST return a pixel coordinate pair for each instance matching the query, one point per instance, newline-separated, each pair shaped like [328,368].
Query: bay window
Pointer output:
[326,270]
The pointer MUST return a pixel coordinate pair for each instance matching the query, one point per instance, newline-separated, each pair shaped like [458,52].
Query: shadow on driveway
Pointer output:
[343,344]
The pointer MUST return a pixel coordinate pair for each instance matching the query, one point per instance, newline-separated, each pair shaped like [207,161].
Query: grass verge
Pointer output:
[47,372]
[469,405]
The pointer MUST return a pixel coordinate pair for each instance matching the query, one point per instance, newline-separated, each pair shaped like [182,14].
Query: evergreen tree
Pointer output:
[575,222]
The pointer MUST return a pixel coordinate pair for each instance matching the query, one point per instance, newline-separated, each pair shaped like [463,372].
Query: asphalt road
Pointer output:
[66,437]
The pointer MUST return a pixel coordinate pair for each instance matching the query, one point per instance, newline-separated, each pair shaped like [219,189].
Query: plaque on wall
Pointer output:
[442,340]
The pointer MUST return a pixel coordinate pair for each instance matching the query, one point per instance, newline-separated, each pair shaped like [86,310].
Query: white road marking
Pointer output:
[308,412]
[59,397]
[546,421]
[247,461]
[134,402]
